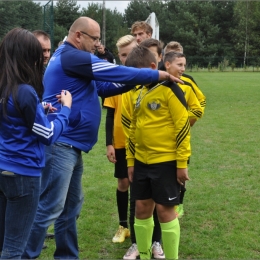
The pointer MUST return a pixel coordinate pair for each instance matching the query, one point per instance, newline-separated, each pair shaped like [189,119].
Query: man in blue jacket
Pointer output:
[75,68]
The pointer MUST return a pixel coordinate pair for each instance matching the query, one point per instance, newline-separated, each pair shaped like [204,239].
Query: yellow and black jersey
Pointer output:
[194,108]
[127,110]
[197,91]
[160,128]
[115,102]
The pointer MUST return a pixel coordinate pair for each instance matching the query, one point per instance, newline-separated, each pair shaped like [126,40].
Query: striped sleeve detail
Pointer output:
[118,85]
[196,113]
[125,121]
[131,147]
[183,133]
[43,131]
[99,66]
[203,103]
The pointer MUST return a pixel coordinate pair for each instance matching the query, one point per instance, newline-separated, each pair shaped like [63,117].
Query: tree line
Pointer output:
[211,32]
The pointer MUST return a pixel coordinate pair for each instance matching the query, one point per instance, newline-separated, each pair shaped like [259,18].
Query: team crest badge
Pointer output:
[154,105]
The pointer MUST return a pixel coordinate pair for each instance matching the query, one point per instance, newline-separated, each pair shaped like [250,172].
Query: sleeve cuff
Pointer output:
[65,111]
[130,162]
[182,164]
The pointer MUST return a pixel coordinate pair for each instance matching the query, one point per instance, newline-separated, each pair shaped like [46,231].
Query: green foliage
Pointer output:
[66,12]
[93,11]
[208,30]
[222,66]
[116,28]
[60,33]
[137,10]
[25,14]
[246,33]
[209,66]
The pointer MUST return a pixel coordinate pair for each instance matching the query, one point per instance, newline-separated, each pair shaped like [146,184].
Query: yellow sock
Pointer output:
[143,232]
[171,238]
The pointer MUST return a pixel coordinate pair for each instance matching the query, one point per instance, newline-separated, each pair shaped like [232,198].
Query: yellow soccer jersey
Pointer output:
[160,128]
[128,103]
[118,134]
[197,91]
[194,108]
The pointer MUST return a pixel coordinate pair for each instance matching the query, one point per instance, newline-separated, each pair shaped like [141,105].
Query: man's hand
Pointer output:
[131,173]
[182,175]
[163,75]
[111,156]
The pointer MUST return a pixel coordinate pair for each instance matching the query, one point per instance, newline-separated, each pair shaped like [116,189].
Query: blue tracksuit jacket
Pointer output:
[86,76]
[24,133]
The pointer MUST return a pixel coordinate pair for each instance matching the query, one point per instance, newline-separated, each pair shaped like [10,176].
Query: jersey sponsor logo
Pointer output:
[154,105]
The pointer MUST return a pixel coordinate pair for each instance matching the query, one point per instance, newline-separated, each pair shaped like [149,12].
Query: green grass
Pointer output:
[222,201]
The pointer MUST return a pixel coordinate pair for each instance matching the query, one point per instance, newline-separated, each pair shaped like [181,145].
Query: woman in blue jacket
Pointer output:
[24,130]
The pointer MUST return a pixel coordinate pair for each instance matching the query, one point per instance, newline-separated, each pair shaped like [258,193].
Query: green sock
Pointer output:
[171,238]
[143,232]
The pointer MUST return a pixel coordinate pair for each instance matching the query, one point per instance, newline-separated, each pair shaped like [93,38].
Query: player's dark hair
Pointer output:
[152,43]
[172,55]
[140,57]
[21,63]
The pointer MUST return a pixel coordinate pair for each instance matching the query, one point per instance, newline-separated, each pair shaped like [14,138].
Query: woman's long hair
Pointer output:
[21,62]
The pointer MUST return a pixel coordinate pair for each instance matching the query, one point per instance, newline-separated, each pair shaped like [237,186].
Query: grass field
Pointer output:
[222,201]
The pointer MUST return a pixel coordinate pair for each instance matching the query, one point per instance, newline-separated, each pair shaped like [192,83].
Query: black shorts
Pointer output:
[156,181]
[121,164]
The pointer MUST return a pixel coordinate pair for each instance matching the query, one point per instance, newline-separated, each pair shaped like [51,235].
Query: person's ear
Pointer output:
[153,66]
[77,36]
[167,64]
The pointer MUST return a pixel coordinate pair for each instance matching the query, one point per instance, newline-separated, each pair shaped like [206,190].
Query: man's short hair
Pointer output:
[142,25]
[140,57]
[125,40]
[173,46]
[38,33]
[152,43]
[172,55]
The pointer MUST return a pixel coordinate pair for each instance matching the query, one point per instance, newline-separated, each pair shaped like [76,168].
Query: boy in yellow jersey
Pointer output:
[177,47]
[175,64]
[157,155]
[115,142]
[127,112]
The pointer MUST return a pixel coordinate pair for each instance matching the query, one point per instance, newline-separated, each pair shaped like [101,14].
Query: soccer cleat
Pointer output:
[179,211]
[157,251]
[121,234]
[132,252]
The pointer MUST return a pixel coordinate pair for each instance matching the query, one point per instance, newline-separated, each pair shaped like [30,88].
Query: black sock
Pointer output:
[122,207]
[132,217]
[157,233]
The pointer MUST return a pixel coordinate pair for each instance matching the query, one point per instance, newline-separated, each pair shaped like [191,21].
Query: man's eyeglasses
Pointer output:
[95,39]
